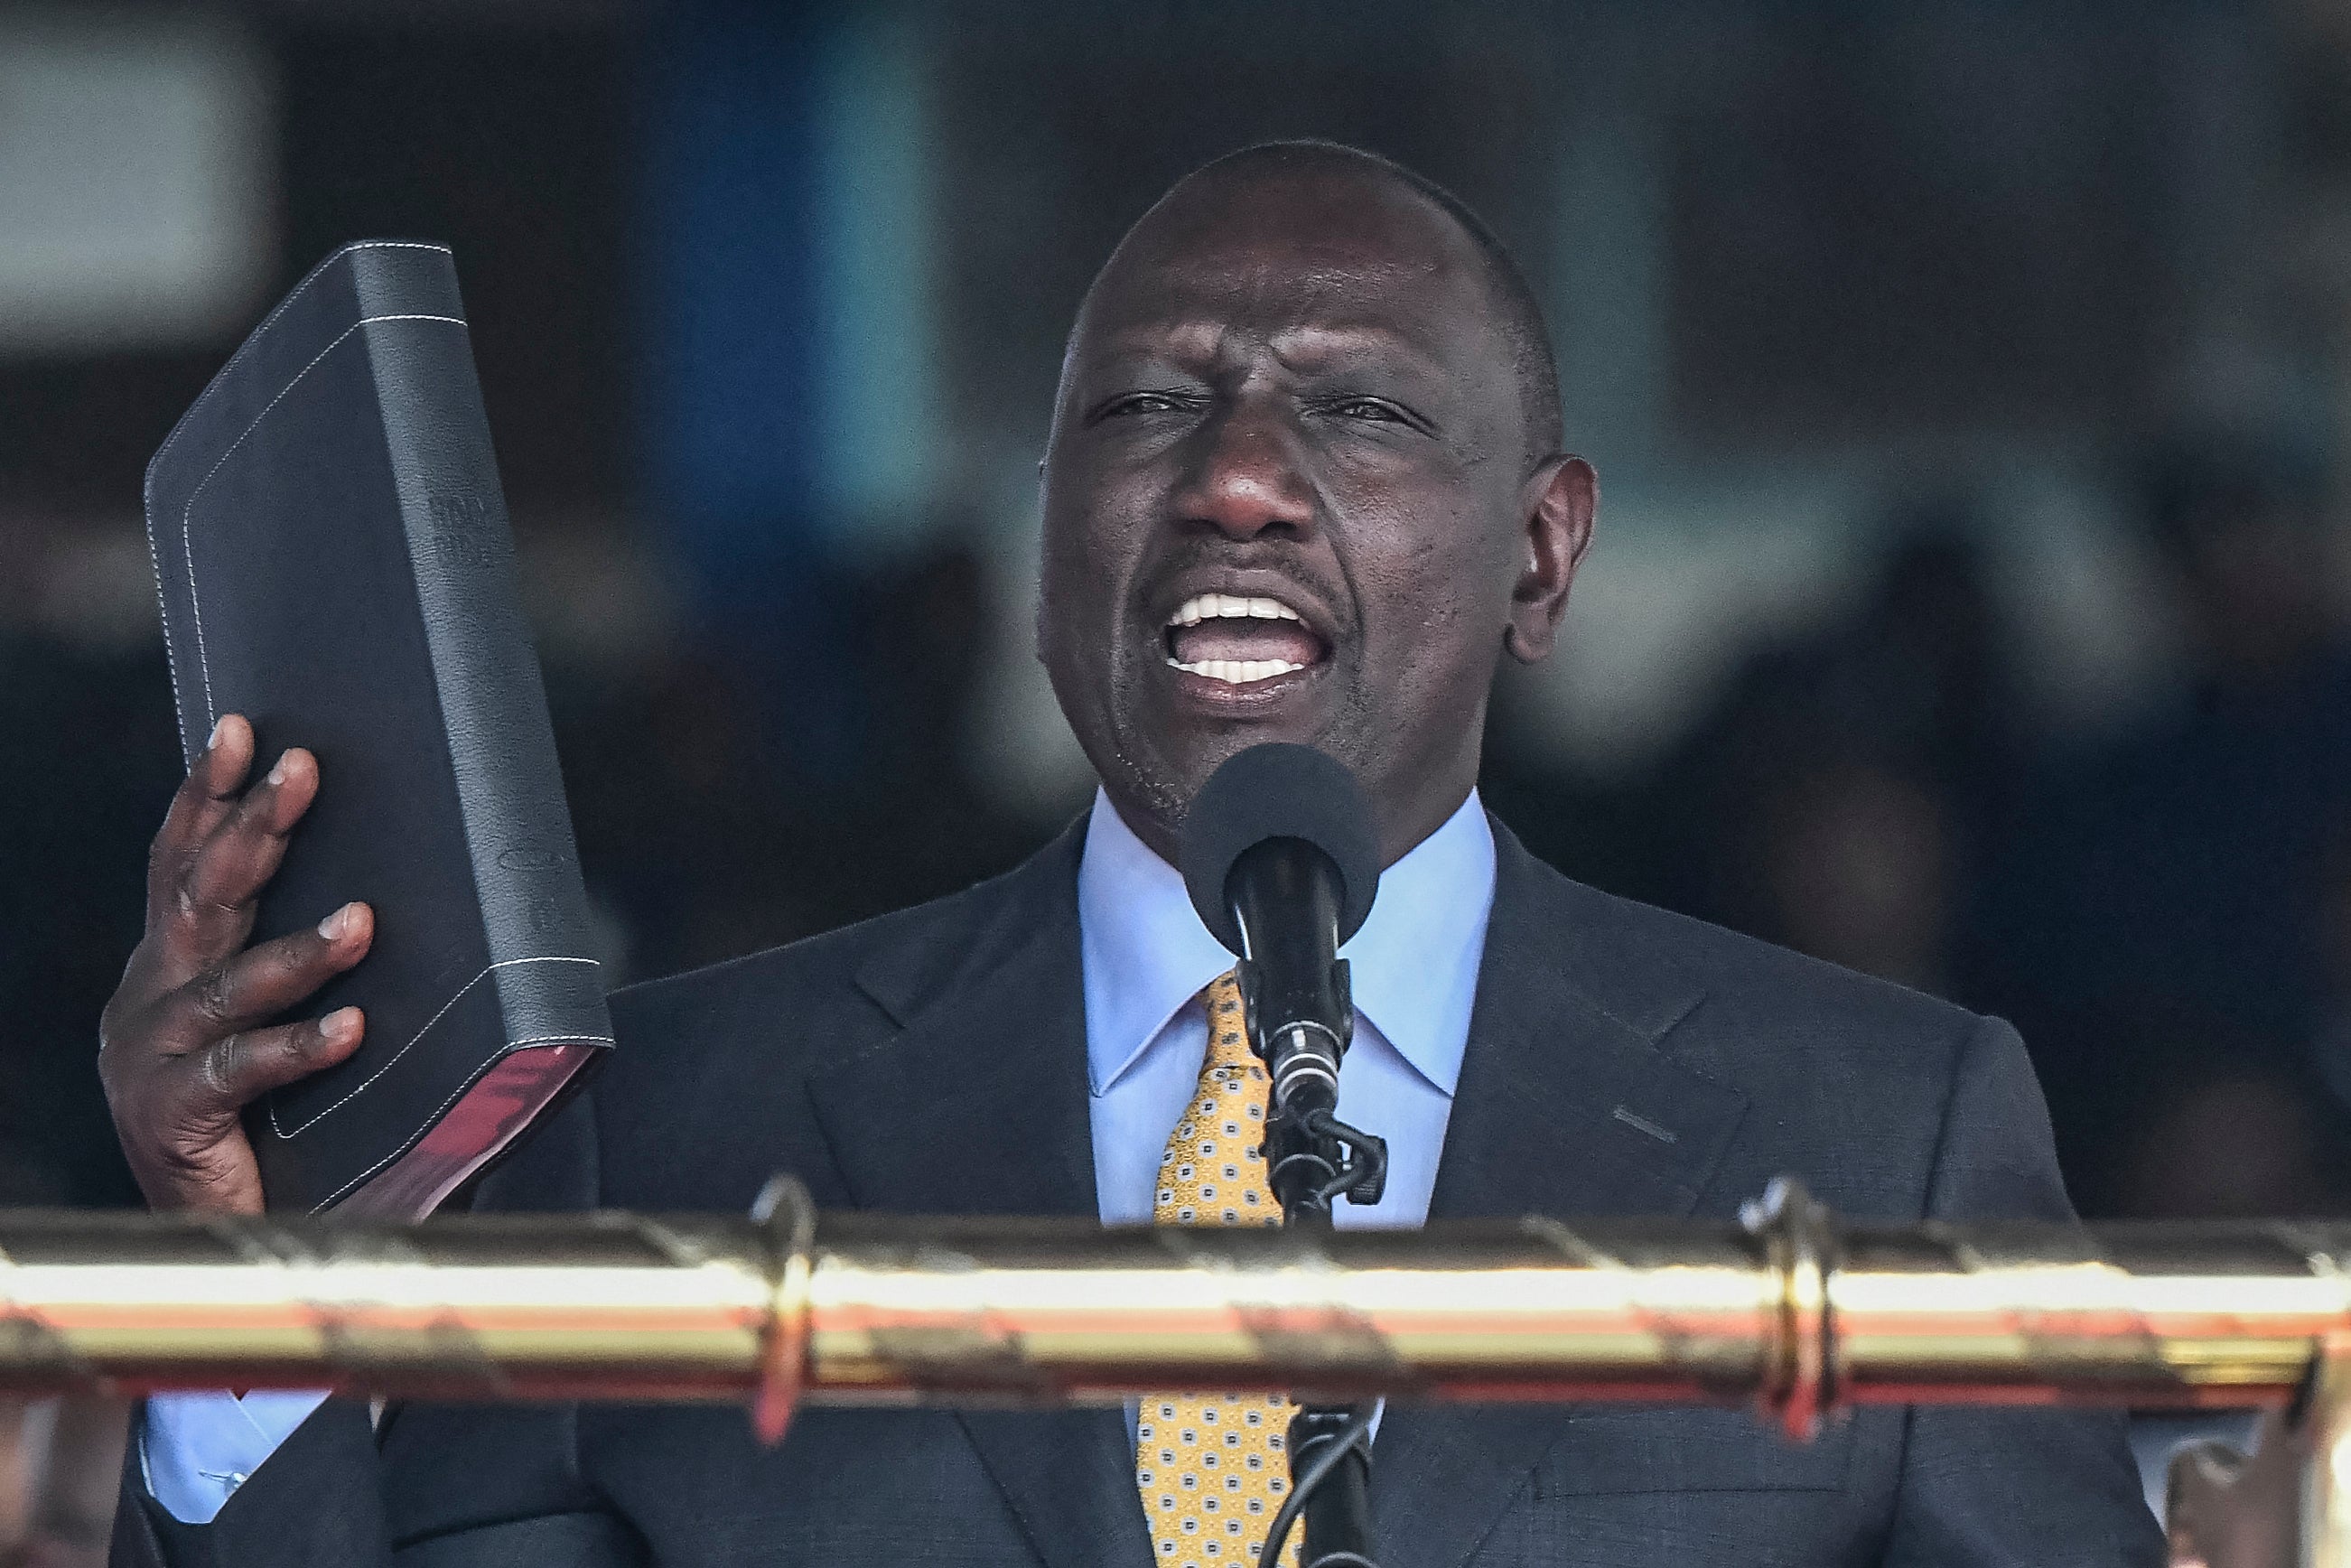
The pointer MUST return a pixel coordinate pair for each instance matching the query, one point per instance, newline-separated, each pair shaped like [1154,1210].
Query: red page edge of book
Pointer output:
[499,1107]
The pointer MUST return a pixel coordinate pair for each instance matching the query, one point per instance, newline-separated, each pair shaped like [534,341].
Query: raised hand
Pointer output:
[184,1043]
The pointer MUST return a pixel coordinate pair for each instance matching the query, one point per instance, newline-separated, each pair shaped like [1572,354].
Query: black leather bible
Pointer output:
[332,549]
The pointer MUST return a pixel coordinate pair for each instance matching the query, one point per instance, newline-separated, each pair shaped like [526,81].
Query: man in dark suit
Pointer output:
[1304,482]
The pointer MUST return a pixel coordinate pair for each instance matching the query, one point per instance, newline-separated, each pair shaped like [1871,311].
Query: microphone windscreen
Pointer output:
[1277,790]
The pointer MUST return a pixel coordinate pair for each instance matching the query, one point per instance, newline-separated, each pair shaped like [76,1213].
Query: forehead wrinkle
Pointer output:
[1301,348]
[1295,313]
[1292,281]
[1266,265]
[1298,347]
[1264,258]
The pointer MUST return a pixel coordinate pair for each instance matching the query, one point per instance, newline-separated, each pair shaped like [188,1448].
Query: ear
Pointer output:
[1559,503]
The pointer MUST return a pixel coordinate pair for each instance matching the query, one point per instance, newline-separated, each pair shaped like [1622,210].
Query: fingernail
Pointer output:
[339,1025]
[218,725]
[278,773]
[333,926]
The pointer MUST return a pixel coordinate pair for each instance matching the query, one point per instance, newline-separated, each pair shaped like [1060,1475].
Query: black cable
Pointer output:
[1356,1434]
[1360,1172]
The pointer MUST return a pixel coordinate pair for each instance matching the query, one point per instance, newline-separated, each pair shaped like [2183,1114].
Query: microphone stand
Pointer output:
[1311,1158]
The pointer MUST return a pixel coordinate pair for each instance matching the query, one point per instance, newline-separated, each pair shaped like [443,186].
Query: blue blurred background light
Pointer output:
[789,414]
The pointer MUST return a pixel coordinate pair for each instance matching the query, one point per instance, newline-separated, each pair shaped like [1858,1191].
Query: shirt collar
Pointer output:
[1414,964]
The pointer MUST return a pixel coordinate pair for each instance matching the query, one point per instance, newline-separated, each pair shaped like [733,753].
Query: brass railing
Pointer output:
[1791,1311]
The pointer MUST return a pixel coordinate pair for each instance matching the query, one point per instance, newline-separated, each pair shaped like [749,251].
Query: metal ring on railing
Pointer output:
[1800,1244]
[788,1214]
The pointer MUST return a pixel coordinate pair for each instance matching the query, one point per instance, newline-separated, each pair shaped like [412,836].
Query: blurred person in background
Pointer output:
[1837,798]
[2158,920]
[1852,861]
[58,1462]
[706,843]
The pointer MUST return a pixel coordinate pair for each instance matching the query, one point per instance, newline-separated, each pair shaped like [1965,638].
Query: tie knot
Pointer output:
[1227,1033]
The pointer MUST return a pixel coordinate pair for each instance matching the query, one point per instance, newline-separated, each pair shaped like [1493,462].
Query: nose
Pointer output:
[1246,480]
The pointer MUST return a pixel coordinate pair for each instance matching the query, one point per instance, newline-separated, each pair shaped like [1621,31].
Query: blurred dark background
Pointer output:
[1967,382]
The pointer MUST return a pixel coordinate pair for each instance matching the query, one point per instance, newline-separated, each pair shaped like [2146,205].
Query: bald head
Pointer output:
[1280,174]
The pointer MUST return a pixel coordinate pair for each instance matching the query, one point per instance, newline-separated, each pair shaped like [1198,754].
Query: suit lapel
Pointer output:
[1566,1106]
[979,1105]
[1566,1103]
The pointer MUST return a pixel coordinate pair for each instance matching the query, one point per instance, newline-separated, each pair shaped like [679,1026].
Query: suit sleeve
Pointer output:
[436,1486]
[1981,1488]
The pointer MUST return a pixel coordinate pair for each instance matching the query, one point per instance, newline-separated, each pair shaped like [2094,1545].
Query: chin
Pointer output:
[1179,759]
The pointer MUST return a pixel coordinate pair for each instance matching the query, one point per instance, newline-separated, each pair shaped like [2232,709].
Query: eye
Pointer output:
[1369,410]
[1148,401]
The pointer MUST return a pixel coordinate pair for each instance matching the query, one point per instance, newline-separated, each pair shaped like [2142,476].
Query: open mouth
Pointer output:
[1240,641]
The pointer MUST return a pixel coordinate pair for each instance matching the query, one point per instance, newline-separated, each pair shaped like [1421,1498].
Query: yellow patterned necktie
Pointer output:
[1213,1470]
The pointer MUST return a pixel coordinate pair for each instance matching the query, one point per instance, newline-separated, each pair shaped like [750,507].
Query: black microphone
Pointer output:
[1282,862]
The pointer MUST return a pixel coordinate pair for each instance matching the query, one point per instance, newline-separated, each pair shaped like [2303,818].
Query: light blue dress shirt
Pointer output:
[1146,958]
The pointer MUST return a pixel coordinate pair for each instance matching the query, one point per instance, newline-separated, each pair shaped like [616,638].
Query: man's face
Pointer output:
[1289,496]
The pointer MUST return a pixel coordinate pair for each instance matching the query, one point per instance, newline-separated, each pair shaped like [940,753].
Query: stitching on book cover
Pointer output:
[395,1056]
[279,309]
[188,548]
[179,709]
[170,652]
[368,1174]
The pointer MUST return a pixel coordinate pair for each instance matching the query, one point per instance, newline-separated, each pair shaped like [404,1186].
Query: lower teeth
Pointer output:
[1237,672]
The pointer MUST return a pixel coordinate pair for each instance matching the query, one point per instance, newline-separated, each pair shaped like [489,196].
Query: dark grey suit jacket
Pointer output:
[1621,1061]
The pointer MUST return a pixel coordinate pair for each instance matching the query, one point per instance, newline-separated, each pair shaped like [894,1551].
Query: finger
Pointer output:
[213,905]
[236,858]
[227,1075]
[256,986]
[203,798]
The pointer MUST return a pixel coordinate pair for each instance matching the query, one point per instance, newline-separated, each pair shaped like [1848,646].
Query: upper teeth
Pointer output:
[1213,606]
